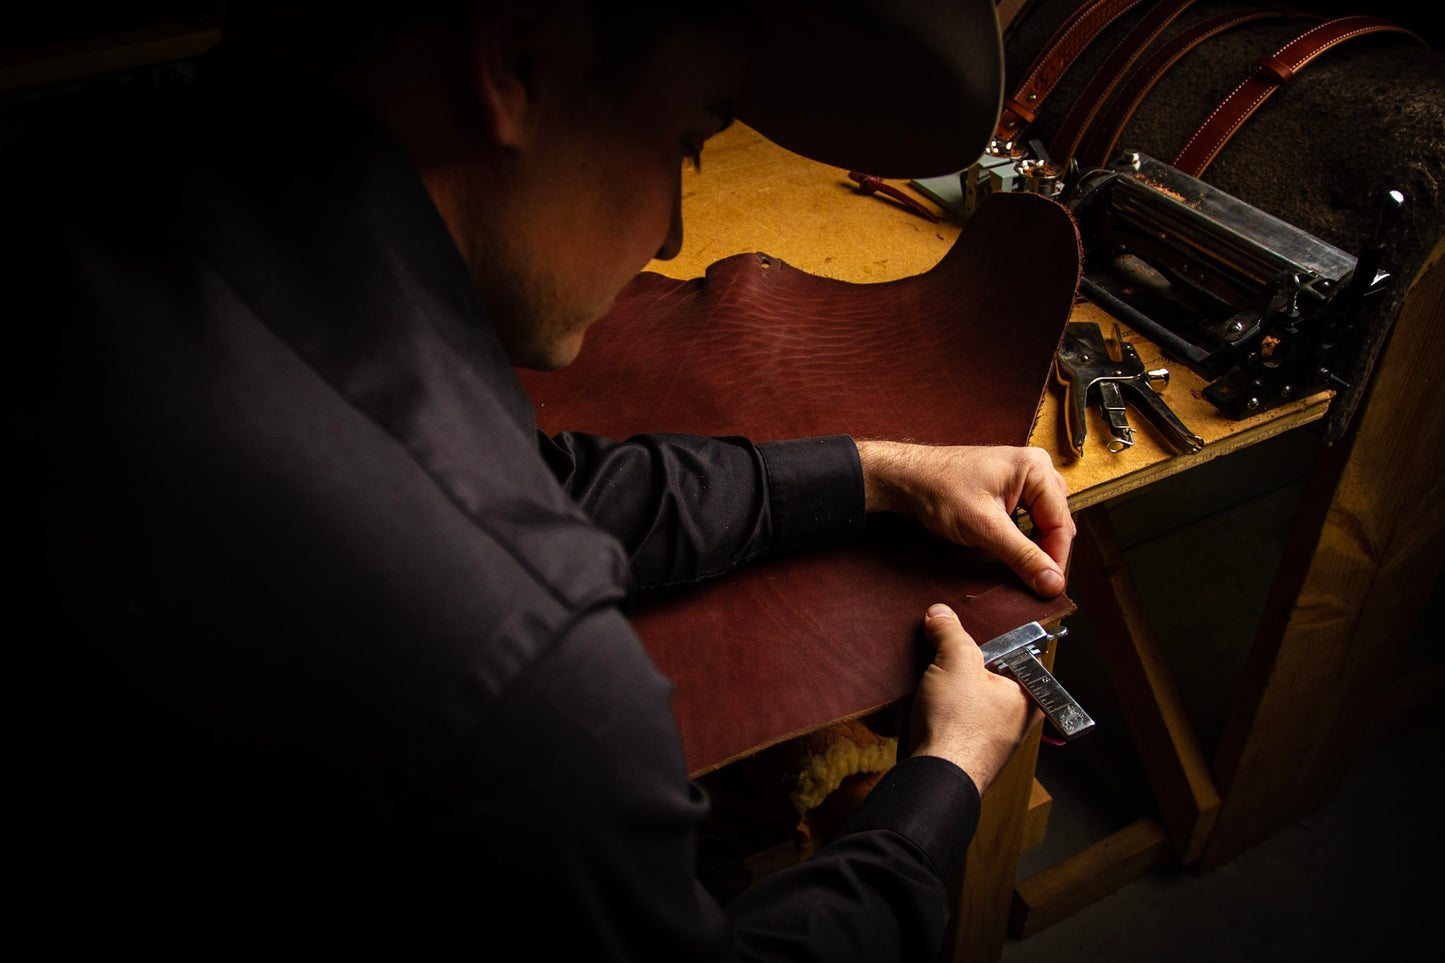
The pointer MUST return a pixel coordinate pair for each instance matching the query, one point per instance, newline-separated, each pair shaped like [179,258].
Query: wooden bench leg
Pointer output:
[1174,763]
[1088,876]
[1177,768]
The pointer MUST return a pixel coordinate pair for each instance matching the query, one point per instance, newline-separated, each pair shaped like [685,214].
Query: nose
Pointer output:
[672,243]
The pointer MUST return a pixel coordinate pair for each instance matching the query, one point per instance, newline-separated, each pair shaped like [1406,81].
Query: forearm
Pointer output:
[885,466]
[689,508]
[880,891]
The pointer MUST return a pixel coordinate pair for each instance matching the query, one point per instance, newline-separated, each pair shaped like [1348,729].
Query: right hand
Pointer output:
[968,495]
[963,712]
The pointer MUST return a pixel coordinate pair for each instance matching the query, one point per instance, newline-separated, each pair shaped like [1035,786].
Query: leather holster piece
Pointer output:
[959,355]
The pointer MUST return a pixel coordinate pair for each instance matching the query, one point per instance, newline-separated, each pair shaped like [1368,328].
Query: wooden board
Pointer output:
[1087,877]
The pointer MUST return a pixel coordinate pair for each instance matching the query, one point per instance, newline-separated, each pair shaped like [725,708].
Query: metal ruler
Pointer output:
[1017,654]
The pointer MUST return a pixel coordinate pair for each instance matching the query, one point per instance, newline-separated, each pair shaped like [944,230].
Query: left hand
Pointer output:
[968,495]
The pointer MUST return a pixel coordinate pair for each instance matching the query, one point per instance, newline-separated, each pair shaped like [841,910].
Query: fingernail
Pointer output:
[1049,582]
[938,610]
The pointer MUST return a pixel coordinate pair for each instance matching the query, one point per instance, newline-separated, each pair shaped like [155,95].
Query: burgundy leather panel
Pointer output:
[960,355]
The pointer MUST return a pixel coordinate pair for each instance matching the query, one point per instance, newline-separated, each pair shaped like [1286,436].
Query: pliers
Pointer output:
[1084,368]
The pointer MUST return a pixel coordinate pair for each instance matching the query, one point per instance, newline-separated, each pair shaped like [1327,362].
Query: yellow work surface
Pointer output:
[752,195]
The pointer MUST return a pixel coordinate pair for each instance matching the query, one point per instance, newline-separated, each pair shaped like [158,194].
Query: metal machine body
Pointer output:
[1263,310]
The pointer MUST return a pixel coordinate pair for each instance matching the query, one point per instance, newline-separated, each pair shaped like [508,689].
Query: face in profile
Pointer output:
[601,188]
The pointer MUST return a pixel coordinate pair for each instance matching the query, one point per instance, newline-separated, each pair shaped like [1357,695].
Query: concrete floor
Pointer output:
[1356,880]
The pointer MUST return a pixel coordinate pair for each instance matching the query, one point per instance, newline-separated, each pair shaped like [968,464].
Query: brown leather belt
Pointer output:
[1105,135]
[1107,77]
[1268,75]
[1071,39]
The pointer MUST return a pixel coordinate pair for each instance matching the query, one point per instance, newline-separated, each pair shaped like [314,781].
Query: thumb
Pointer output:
[950,639]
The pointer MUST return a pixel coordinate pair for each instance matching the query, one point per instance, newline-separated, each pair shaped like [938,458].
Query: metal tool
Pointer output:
[1016,653]
[1085,368]
[1261,309]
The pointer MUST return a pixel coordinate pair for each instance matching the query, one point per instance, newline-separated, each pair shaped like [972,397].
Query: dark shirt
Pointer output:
[331,647]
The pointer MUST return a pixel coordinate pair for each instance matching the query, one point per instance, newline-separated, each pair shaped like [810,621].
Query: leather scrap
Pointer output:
[959,355]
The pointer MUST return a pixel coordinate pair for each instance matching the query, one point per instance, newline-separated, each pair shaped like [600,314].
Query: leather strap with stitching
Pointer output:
[1107,77]
[1070,40]
[1105,135]
[1268,74]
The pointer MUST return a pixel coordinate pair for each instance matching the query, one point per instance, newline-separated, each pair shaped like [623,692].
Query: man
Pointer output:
[333,656]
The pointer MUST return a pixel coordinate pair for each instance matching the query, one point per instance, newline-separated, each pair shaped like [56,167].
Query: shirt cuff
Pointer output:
[815,491]
[931,802]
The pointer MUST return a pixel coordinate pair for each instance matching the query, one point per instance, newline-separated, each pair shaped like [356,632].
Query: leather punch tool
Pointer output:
[1086,370]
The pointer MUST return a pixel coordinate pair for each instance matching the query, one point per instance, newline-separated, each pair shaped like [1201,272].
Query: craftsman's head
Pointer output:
[551,134]
[584,122]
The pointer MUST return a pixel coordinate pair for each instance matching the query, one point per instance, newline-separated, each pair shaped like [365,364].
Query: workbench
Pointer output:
[1366,549]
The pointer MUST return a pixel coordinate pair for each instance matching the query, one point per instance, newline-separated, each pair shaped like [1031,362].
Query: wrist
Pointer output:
[966,758]
[884,465]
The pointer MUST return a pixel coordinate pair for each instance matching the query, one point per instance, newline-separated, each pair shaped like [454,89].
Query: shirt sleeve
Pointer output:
[688,508]
[588,804]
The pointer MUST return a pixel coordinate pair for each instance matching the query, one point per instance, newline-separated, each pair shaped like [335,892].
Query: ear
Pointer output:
[503,70]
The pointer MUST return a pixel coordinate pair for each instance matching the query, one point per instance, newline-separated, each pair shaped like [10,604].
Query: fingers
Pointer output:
[1031,562]
[1046,496]
[967,494]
